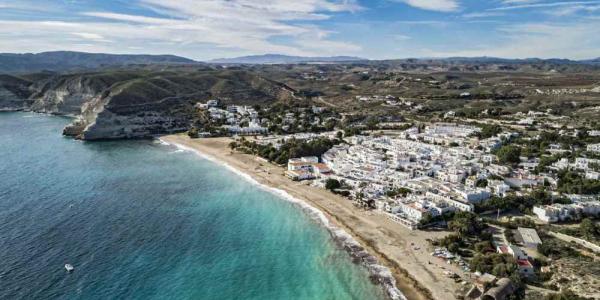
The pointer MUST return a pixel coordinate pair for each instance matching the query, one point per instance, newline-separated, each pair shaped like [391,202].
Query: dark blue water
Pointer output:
[139,220]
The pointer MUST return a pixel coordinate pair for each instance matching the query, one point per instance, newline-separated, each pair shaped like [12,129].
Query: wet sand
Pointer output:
[406,252]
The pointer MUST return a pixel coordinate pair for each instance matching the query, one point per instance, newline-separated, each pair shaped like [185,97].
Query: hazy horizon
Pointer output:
[330,56]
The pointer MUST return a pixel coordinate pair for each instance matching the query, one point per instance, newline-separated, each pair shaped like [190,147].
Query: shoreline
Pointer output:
[385,248]
[382,274]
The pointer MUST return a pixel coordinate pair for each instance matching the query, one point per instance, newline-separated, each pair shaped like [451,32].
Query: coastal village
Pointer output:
[517,218]
[300,149]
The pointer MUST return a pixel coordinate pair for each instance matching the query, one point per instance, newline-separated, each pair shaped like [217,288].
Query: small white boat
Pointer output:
[69,267]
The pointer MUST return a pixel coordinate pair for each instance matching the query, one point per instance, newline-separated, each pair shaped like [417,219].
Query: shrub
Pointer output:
[509,154]
[332,184]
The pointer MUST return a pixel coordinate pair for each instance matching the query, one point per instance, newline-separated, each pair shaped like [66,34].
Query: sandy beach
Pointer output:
[418,275]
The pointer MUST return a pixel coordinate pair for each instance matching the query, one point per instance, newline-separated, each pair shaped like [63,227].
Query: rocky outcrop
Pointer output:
[109,125]
[379,274]
[137,104]
[14,92]
[68,94]
[9,101]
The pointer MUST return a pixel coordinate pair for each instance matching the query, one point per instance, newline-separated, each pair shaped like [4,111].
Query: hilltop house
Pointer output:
[530,237]
[523,263]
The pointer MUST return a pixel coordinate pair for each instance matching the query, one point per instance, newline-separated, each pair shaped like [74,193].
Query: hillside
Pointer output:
[66,61]
[12,91]
[135,103]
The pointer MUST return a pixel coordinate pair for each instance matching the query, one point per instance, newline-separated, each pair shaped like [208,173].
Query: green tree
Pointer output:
[400,191]
[193,132]
[372,123]
[489,130]
[497,264]
[350,131]
[454,247]
[481,183]
[509,154]
[465,223]
[588,229]
[332,184]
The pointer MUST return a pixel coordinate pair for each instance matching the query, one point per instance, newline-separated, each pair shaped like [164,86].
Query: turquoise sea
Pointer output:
[141,220]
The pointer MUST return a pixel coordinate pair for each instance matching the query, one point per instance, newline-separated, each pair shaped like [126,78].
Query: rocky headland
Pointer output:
[139,103]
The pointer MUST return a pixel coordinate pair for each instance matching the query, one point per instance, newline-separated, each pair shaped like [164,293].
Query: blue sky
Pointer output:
[376,29]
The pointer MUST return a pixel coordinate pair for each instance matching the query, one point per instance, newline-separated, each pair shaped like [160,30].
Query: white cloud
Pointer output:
[28,5]
[571,10]
[400,37]
[544,40]
[531,4]
[88,38]
[486,14]
[519,1]
[184,27]
[435,5]
[221,28]
[128,18]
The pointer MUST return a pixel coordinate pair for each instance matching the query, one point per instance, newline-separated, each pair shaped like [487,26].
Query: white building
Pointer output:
[593,175]
[450,203]
[593,147]
[552,213]
[300,175]
[561,212]
[305,168]
[562,164]
[498,187]
[526,121]
[417,210]
[318,110]
[583,163]
[252,129]
[594,133]
[512,250]
[530,237]
[296,164]
[498,169]
[212,103]
[474,196]
[450,114]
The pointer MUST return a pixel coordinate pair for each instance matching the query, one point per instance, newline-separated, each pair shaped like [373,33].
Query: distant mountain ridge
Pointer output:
[499,60]
[284,59]
[69,60]
[595,61]
[61,61]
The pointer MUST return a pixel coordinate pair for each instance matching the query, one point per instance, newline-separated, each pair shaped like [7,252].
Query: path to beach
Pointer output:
[418,275]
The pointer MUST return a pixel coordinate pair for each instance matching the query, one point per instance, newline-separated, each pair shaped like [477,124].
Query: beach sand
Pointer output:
[404,251]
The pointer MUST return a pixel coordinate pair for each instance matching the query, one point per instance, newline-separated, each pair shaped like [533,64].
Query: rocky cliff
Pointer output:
[13,93]
[134,104]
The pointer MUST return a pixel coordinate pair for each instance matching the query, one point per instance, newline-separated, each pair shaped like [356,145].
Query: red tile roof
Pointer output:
[503,249]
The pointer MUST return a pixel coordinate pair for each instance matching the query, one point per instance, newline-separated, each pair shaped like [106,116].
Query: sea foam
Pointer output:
[379,273]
